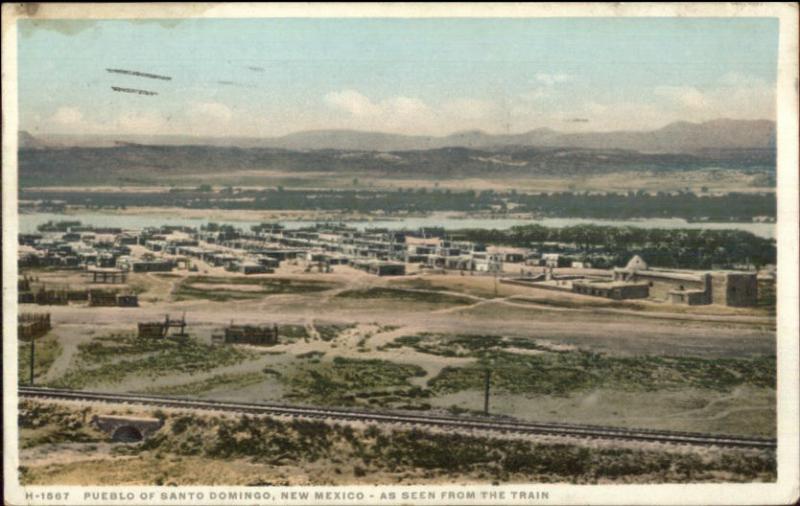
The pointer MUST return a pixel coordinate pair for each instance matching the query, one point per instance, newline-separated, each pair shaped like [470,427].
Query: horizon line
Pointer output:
[457,132]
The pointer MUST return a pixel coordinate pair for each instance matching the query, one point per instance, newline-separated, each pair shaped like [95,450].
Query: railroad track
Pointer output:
[447,422]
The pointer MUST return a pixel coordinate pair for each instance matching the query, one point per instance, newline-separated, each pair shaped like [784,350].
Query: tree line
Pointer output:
[607,246]
[686,205]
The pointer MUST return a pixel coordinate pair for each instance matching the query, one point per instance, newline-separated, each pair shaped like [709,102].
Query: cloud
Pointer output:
[406,107]
[67,116]
[141,122]
[685,96]
[409,114]
[397,109]
[552,79]
[600,115]
[738,80]
[545,104]
[210,111]
[394,112]
[734,95]
[352,102]
[71,119]
[544,86]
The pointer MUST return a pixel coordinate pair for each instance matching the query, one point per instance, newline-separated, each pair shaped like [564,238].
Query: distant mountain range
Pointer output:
[26,140]
[678,137]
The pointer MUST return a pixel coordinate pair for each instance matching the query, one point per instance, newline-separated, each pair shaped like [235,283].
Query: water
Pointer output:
[29,222]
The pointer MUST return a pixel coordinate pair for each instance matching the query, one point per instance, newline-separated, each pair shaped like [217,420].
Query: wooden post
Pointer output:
[486,391]
[33,353]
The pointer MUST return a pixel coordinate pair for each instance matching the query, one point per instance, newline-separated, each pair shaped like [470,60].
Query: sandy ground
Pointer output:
[715,181]
[552,319]
[99,464]
[623,328]
[42,455]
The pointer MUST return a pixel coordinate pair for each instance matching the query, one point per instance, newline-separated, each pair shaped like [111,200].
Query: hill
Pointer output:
[680,137]
[186,164]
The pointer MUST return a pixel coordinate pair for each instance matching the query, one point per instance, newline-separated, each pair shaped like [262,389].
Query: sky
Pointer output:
[270,77]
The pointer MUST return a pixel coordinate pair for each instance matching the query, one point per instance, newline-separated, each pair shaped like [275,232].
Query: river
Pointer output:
[29,222]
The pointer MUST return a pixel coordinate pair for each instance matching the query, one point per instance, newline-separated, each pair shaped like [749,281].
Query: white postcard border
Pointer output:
[784,491]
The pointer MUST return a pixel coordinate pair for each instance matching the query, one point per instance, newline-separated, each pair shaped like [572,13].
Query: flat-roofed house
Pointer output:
[728,288]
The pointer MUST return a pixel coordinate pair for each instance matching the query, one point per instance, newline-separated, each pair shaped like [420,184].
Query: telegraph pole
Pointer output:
[486,384]
[32,357]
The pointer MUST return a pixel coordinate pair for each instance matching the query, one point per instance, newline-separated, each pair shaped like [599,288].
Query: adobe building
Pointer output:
[111,275]
[159,330]
[32,325]
[127,300]
[617,290]
[249,268]
[151,330]
[379,268]
[736,289]
[728,288]
[51,297]
[153,266]
[251,334]
[102,298]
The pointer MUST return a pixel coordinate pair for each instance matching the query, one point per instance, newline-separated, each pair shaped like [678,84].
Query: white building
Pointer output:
[484,262]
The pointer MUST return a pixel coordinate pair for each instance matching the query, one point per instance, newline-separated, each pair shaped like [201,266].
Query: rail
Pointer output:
[452,422]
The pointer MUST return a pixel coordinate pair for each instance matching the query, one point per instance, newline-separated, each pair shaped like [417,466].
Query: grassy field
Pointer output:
[292,333]
[532,379]
[400,294]
[218,381]
[421,284]
[111,359]
[535,368]
[351,382]
[47,350]
[208,450]
[453,345]
[478,286]
[330,332]
[713,179]
[563,373]
[233,288]
[41,424]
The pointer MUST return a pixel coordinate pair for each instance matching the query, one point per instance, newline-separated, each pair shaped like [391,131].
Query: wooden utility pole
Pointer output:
[33,353]
[486,384]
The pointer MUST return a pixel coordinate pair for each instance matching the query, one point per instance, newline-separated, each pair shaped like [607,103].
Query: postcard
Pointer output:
[400,254]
